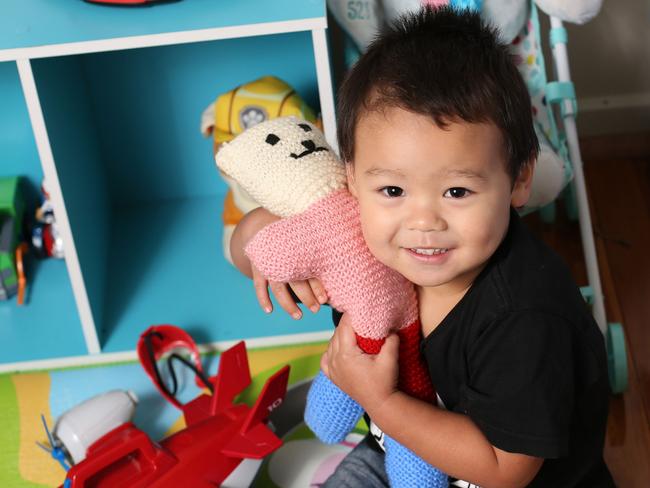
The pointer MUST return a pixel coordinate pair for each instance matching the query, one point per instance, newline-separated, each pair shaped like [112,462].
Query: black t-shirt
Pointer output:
[522,356]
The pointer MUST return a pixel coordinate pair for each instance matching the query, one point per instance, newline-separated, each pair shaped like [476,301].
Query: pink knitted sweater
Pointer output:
[326,242]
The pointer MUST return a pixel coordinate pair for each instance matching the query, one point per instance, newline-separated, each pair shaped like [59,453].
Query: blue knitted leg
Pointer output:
[405,469]
[330,413]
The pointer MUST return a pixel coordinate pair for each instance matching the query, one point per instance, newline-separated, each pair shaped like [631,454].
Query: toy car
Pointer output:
[46,238]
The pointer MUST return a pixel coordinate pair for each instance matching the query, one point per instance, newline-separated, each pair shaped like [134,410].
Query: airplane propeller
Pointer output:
[55,449]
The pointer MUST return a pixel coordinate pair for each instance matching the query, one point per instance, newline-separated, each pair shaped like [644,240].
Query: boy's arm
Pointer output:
[447,440]
[452,442]
[250,224]
[309,292]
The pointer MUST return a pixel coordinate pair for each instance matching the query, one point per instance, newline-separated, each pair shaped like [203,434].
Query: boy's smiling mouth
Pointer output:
[432,255]
[429,251]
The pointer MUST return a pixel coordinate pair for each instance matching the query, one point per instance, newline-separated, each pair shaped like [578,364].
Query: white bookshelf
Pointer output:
[94,80]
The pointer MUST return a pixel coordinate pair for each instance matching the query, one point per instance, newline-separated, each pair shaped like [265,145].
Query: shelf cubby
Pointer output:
[48,325]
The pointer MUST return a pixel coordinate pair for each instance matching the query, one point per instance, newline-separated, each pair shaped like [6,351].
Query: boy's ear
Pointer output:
[349,170]
[523,184]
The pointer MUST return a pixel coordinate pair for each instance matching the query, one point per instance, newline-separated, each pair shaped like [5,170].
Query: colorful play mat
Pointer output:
[301,461]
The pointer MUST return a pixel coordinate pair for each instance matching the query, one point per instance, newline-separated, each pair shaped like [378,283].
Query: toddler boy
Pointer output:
[435,127]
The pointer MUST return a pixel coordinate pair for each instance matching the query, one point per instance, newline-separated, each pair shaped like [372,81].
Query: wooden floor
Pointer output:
[617,170]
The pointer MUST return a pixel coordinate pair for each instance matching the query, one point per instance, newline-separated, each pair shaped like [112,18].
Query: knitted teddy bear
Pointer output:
[234,111]
[286,165]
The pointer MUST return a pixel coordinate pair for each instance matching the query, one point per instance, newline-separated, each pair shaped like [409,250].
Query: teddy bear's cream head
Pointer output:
[284,164]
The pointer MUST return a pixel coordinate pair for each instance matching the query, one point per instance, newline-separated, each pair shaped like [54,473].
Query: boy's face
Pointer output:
[434,202]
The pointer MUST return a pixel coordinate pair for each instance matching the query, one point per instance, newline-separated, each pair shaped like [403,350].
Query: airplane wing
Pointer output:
[255,440]
[233,377]
[259,442]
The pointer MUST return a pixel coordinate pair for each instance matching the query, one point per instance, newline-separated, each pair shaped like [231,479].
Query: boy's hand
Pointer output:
[310,292]
[370,379]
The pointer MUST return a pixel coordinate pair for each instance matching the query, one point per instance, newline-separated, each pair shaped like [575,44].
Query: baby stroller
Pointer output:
[555,110]
[559,126]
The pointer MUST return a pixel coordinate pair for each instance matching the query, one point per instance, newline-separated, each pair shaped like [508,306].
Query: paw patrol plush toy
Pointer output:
[235,111]
[286,165]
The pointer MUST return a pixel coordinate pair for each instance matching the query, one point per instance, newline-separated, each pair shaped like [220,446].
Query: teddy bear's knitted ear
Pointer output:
[284,164]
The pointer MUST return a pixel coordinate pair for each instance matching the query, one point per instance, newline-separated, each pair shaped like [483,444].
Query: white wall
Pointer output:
[610,66]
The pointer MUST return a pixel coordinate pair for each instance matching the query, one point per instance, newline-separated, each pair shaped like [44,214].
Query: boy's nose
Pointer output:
[309,144]
[427,220]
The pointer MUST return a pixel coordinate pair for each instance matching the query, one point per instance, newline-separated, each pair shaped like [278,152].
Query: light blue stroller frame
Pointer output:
[555,107]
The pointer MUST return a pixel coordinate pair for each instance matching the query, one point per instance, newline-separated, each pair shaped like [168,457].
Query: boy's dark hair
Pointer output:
[448,65]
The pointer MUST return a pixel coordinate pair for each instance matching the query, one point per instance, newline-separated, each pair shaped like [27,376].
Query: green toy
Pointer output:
[12,206]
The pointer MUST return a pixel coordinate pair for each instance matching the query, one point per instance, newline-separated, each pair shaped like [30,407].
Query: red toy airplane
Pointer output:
[218,436]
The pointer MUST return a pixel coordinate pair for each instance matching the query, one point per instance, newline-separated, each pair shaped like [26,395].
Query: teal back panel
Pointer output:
[147,105]
[48,324]
[18,154]
[63,92]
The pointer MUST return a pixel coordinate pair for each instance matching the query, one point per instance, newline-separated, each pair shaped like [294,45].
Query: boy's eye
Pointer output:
[392,191]
[457,192]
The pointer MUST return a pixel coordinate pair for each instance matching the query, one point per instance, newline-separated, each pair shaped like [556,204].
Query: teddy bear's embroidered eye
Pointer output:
[272,139]
[305,127]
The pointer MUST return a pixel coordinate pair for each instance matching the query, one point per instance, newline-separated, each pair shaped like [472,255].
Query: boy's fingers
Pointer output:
[324,364]
[318,290]
[333,346]
[390,349]
[347,335]
[262,292]
[304,292]
[284,299]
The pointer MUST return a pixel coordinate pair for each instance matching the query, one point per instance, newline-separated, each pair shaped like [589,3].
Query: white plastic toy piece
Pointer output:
[45,215]
[82,425]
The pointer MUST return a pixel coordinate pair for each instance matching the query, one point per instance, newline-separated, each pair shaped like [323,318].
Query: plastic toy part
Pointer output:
[21,250]
[160,340]
[617,358]
[12,208]
[46,238]
[81,426]
[54,447]
[588,294]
